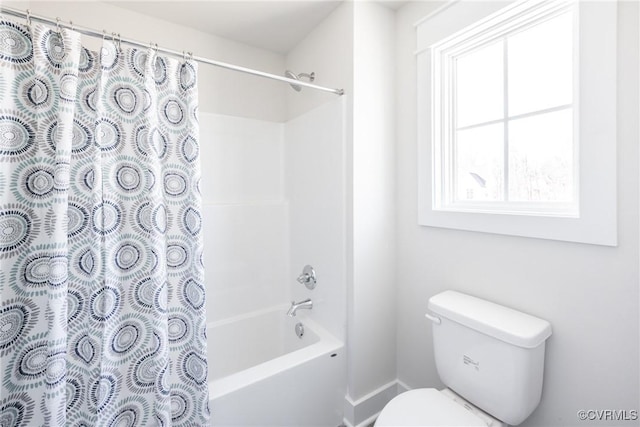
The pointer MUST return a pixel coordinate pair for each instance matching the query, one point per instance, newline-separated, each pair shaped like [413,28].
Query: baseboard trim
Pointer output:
[363,411]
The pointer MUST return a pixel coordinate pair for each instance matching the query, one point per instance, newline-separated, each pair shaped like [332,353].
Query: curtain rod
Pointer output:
[93,33]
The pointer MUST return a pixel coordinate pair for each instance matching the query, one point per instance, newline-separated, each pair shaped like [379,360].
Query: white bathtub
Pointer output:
[262,374]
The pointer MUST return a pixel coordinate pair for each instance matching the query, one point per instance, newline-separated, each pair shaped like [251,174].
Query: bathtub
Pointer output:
[262,374]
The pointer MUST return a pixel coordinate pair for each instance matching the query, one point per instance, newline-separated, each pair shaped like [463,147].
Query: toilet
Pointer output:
[491,360]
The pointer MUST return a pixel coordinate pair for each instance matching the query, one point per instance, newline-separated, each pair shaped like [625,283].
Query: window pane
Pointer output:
[480,163]
[479,85]
[541,158]
[540,62]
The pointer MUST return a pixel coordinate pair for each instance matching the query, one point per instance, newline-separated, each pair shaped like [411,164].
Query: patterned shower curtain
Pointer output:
[101,280]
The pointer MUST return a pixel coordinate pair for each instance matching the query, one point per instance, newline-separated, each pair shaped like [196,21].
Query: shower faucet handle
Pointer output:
[308,277]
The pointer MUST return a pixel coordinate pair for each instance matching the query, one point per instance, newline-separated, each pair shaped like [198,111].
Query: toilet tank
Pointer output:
[491,355]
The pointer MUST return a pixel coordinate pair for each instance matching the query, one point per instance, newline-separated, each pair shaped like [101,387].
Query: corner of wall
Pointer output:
[327,51]
[364,411]
[372,329]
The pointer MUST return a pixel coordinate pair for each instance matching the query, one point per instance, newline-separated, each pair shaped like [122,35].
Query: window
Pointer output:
[507,143]
[516,130]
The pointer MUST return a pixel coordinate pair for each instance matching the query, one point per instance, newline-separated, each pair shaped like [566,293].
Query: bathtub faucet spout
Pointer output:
[295,306]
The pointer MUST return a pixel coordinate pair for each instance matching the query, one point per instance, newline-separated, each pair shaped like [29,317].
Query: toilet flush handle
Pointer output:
[434,319]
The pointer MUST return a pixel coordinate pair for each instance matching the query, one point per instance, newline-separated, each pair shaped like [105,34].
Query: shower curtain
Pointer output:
[101,280]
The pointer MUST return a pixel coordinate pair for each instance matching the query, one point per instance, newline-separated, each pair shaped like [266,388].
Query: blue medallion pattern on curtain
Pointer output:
[101,281]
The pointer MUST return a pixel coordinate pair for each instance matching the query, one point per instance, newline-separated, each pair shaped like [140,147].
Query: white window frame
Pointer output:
[593,217]
[443,56]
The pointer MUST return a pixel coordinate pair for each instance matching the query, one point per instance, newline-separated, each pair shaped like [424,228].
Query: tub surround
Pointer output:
[274,202]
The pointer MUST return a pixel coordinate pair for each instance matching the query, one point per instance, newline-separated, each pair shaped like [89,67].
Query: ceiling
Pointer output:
[275,25]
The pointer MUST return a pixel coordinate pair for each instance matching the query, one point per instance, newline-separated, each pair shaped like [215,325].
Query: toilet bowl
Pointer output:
[428,407]
[473,340]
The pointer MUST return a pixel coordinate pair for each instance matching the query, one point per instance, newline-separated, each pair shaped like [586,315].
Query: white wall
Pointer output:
[588,293]
[373,312]
[220,91]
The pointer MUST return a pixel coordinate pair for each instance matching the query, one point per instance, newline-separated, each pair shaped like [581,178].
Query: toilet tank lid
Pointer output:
[500,322]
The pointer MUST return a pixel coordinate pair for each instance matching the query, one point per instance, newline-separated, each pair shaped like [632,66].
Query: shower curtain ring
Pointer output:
[58,30]
[119,42]
[71,25]
[104,35]
[115,38]
[28,18]
[184,56]
[190,56]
